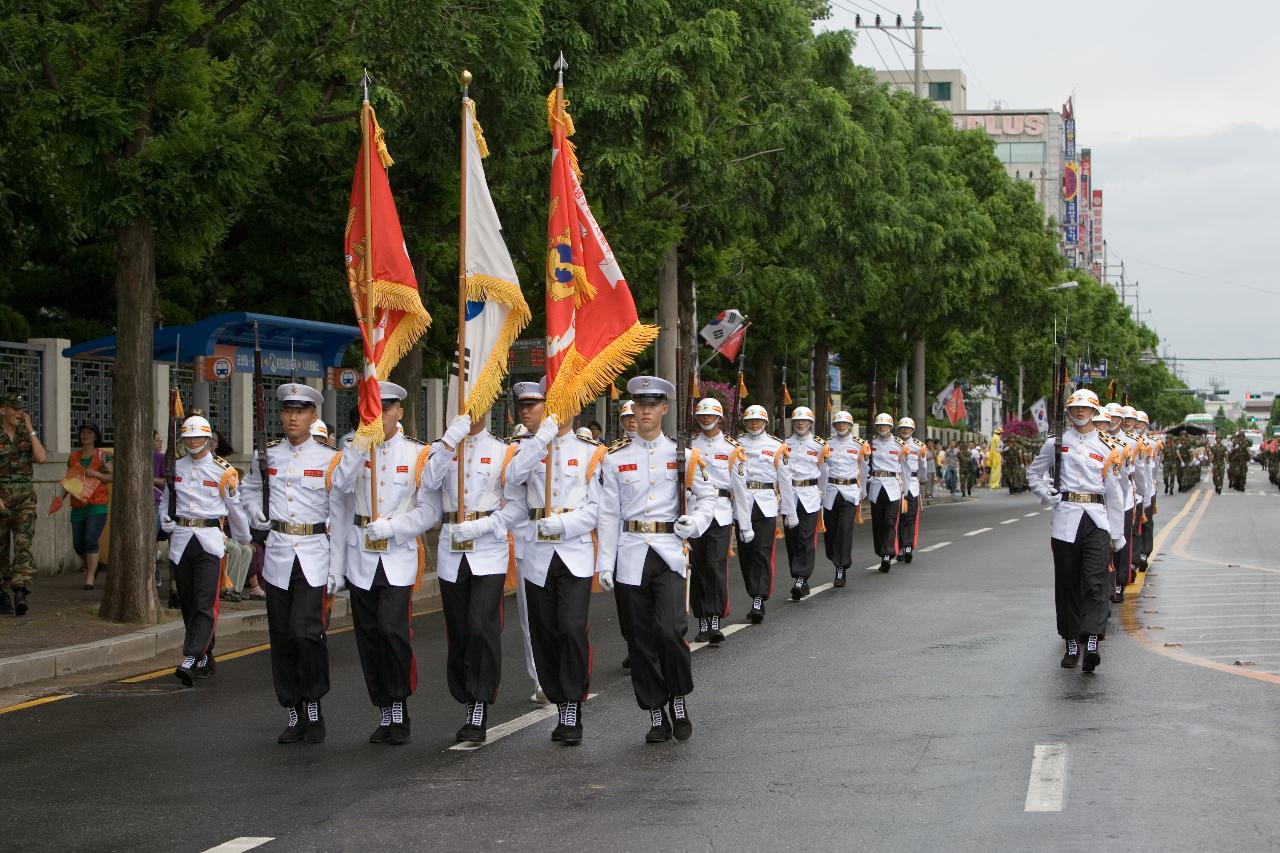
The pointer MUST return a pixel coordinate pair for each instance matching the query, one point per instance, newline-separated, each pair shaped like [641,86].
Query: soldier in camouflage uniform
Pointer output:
[968,476]
[20,449]
[1218,459]
[1238,462]
[1169,464]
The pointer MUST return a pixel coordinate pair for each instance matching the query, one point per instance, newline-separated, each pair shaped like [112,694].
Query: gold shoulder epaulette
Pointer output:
[512,438]
[412,441]
[775,438]
[820,440]
[274,443]
[620,443]
[222,463]
[590,441]
[898,439]
[731,440]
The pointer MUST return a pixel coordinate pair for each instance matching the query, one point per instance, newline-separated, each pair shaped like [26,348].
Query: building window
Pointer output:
[939,91]
[1020,152]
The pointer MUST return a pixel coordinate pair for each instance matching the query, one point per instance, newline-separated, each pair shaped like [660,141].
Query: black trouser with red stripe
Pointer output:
[709,562]
[756,558]
[907,522]
[384,639]
[1123,558]
[884,524]
[558,630]
[299,653]
[661,664]
[198,574]
[473,626]
[1082,582]
[839,536]
[1149,530]
[802,542]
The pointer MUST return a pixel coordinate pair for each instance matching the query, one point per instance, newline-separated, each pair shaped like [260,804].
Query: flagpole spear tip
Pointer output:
[364,81]
[561,66]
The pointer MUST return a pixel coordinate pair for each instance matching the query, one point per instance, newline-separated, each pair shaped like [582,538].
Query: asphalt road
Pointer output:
[919,710]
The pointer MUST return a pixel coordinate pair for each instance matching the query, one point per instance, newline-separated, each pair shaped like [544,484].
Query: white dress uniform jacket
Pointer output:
[575,500]
[844,463]
[887,461]
[767,463]
[726,462]
[1091,466]
[807,458]
[1134,467]
[485,459]
[207,488]
[917,457]
[640,483]
[300,494]
[401,464]
[1150,454]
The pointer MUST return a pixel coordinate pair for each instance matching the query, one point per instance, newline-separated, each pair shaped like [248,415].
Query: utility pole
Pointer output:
[918,411]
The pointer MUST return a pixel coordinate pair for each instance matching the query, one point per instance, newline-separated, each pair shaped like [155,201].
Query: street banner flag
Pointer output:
[721,327]
[1040,414]
[593,330]
[380,276]
[955,406]
[496,311]
[939,408]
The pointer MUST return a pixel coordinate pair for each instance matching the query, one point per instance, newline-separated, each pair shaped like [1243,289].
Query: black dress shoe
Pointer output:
[839,582]
[186,672]
[379,735]
[1072,657]
[756,616]
[701,636]
[206,666]
[660,728]
[899,558]
[797,589]
[175,603]
[681,725]
[19,602]
[296,730]
[6,603]
[804,589]
[714,635]
[398,733]
[907,554]
[626,662]
[1091,656]
[885,565]
[314,723]
[475,729]
[570,728]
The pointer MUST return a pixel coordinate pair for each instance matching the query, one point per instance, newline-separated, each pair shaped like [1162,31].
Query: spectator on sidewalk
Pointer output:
[952,473]
[88,473]
[20,451]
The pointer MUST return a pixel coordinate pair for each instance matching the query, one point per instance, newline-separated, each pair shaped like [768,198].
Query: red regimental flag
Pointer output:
[955,406]
[380,276]
[733,343]
[593,330]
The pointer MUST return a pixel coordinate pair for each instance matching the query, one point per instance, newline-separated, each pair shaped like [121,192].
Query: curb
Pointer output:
[155,641]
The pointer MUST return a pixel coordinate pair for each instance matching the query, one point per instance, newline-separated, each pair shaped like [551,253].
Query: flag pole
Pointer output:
[366,123]
[465,78]
[561,66]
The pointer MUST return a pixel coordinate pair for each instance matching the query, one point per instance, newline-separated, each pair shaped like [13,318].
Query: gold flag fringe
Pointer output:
[488,384]
[580,381]
[399,297]
[380,140]
[558,112]
[479,131]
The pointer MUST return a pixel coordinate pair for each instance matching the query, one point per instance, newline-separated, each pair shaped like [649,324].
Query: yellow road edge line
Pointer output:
[43,700]
[1130,615]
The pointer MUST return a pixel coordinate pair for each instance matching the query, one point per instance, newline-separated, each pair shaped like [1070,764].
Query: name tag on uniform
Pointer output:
[671,466]
[720,457]
[484,460]
[1065,449]
[1096,456]
[271,472]
[313,472]
[893,452]
[573,463]
[766,452]
[211,484]
[631,466]
[851,450]
[402,469]
[177,479]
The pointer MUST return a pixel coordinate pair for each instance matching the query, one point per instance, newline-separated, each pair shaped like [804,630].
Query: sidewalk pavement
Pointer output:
[62,633]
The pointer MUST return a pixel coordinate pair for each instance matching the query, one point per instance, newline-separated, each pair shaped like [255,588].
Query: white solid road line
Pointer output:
[1009,521]
[500,731]
[976,532]
[1048,780]
[238,845]
[930,548]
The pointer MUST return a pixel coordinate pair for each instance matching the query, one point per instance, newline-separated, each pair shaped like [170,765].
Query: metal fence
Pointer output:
[91,397]
[22,372]
[219,412]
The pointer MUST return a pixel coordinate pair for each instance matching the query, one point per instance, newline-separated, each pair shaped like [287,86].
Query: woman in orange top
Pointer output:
[90,467]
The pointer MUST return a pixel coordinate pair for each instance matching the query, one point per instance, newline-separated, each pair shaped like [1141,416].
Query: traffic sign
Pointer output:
[347,378]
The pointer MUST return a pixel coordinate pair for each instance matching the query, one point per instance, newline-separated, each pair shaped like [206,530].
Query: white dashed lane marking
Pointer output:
[510,727]
[239,845]
[1047,785]
[1030,514]
[1009,521]
[930,548]
[976,532]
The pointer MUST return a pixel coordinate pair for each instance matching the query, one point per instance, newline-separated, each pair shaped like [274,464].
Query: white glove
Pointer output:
[551,526]
[791,521]
[257,520]
[1117,544]
[457,430]
[1051,500]
[547,432]
[606,579]
[746,534]
[684,527]
[379,528]
[168,525]
[470,530]
[335,585]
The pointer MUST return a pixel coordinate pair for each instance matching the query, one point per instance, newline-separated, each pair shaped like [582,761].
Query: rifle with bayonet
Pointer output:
[260,422]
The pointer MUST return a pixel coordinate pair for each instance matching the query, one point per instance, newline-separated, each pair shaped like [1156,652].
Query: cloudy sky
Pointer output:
[1179,103]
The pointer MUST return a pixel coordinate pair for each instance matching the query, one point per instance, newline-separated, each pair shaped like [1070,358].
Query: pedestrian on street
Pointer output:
[808,455]
[642,536]
[769,482]
[886,457]
[842,497]
[382,559]
[302,564]
[89,470]
[916,455]
[206,491]
[726,464]
[556,551]
[1086,527]
[20,451]
[471,561]
[953,468]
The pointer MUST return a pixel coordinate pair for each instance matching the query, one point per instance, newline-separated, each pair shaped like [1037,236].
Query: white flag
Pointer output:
[1040,413]
[722,326]
[940,401]
[496,310]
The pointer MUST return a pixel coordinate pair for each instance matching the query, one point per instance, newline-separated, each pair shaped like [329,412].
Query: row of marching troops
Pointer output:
[563,507]
[1099,478]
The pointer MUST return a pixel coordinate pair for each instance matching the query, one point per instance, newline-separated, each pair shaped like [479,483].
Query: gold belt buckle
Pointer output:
[380,545]
[548,537]
[456,546]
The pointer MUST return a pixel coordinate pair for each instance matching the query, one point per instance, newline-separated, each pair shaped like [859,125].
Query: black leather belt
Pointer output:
[884,473]
[650,527]
[800,484]
[724,493]
[295,529]
[1082,498]
[458,518]
[841,481]
[756,485]
[198,522]
[915,473]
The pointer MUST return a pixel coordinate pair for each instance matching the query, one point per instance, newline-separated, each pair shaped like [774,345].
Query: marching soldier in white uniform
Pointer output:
[1133,485]
[382,560]
[557,551]
[207,497]
[525,393]
[301,562]
[1148,458]
[917,457]
[808,458]
[627,420]
[642,537]
[471,562]
[842,496]
[886,456]
[709,555]
[627,417]
[1087,525]
[769,482]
